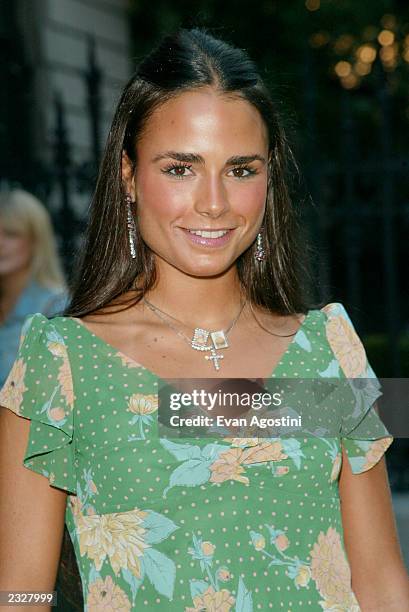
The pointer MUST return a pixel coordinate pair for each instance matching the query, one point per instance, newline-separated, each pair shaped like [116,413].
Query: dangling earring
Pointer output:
[260,254]
[131,226]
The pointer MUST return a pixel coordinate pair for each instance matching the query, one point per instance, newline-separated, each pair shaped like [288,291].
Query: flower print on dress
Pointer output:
[217,463]
[56,346]
[56,415]
[127,361]
[336,468]
[266,450]
[364,454]
[126,541]
[243,442]
[336,458]
[87,492]
[195,467]
[12,393]
[65,380]
[212,601]
[297,569]
[228,466]
[107,536]
[302,576]
[345,342]
[214,597]
[59,414]
[375,451]
[331,572]
[259,541]
[75,504]
[328,567]
[106,596]
[277,450]
[223,574]
[142,406]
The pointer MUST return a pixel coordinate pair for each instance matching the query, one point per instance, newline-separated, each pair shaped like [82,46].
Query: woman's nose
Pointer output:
[212,197]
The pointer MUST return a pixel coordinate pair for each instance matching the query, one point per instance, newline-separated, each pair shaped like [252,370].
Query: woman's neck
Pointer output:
[210,303]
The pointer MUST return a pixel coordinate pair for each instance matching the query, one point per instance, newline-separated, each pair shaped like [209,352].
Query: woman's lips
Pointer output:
[208,242]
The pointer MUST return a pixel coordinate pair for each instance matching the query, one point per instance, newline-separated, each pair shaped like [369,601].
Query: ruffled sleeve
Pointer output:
[363,435]
[39,387]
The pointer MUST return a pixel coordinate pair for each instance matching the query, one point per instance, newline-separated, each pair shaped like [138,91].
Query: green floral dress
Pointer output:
[213,524]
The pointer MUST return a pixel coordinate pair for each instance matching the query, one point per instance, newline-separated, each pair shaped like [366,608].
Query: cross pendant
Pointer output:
[215,358]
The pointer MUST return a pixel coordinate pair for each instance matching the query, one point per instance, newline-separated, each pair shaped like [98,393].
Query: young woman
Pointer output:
[31,277]
[190,269]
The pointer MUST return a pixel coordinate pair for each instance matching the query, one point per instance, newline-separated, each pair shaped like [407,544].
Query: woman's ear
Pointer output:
[128,175]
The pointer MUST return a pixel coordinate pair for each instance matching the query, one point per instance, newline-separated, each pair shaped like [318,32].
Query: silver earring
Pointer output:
[131,226]
[260,254]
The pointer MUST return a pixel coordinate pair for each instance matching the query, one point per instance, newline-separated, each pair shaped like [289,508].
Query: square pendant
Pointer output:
[219,339]
[200,337]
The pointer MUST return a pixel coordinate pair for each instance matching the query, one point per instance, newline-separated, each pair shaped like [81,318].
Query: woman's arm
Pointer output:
[379,578]
[31,516]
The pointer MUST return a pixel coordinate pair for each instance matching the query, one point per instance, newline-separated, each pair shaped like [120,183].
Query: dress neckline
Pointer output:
[112,349]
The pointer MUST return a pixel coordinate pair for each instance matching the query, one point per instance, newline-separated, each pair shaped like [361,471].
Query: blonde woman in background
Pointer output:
[31,275]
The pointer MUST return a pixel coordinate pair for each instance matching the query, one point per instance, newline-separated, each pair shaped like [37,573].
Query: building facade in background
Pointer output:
[65,63]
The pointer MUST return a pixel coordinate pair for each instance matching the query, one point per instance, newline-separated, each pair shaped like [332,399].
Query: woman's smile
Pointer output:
[208,238]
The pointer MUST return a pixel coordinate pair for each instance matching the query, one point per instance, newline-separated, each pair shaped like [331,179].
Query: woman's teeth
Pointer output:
[207,234]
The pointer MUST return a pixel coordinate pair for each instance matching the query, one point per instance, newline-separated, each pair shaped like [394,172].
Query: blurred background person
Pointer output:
[31,275]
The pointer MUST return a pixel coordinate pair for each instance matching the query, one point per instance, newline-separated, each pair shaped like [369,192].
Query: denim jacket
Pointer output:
[34,298]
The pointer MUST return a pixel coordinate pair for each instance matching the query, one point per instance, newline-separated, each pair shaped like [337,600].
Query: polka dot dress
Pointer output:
[239,524]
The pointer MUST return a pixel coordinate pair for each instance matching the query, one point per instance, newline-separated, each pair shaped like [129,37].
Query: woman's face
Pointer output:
[15,250]
[201,166]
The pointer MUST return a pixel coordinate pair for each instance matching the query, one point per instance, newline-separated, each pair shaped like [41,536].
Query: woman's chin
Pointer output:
[205,271]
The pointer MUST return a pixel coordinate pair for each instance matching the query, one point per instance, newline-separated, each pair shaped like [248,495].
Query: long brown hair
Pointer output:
[186,60]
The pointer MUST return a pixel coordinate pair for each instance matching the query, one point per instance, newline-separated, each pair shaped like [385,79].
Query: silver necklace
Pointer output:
[199,342]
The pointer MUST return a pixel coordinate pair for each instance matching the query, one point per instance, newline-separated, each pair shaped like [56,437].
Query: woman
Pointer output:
[192,229]
[31,277]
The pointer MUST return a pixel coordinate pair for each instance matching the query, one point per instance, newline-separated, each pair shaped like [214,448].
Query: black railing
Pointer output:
[356,233]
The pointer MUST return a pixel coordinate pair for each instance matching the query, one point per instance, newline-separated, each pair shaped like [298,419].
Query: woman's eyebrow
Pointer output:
[194,158]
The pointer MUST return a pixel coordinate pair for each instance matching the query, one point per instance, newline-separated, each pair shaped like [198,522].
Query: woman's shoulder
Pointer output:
[334,309]
[344,341]
[40,369]
[337,321]
[34,325]
[43,335]
[37,323]
[64,325]
[331,316]
[327,314]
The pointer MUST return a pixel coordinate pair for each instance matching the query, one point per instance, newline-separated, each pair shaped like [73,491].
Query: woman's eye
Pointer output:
[178,171]
[239,172]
